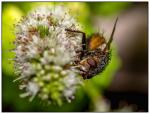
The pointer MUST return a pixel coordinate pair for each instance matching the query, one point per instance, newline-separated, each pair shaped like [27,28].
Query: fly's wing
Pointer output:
[111,36]
[96,41]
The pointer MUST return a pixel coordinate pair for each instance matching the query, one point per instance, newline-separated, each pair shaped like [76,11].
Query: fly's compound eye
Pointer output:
[91,62]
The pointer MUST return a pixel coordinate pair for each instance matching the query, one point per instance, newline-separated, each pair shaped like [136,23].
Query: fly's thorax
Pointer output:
[92,65]
[103,61]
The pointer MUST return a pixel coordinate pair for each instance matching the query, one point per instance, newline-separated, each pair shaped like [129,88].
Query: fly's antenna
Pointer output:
[111,37]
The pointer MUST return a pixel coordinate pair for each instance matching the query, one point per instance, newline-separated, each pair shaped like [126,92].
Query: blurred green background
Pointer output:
[90,96]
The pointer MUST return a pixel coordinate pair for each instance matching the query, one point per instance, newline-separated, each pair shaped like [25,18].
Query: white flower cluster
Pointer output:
[44,53]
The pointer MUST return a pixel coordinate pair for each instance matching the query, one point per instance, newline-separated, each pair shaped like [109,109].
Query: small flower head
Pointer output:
[44,52]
